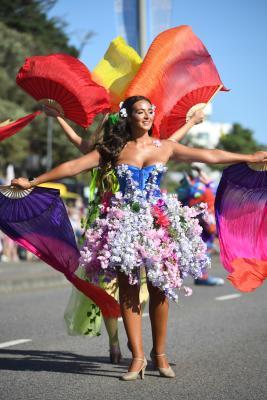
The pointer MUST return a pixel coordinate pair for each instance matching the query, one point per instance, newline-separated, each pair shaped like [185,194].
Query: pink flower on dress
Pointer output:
[161,219]
[105,201]
[161,203]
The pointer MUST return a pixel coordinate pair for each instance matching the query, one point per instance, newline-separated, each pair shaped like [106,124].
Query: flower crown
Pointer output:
[115,117]
[123,111]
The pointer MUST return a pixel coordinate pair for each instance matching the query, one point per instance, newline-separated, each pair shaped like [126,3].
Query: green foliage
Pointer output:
[31,17]
[25,30]
[239,140]
[135,207]
[14,149]
[14,48]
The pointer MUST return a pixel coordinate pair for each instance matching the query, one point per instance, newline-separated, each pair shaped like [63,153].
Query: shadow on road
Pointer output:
[57,361]
[63,362]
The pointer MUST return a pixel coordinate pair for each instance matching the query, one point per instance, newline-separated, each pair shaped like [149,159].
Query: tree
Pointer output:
[30,16]
[15,103]
[239,140]
[25,30]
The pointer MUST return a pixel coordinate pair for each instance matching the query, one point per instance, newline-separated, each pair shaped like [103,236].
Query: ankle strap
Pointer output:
[159,355]
[140,359]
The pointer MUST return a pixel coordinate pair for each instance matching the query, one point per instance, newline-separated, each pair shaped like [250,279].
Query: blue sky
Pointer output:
[234,32]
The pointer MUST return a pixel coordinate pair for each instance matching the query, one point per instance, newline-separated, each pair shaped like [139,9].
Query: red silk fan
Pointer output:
[10,129]
[185,108]
[65,83]
[178,76]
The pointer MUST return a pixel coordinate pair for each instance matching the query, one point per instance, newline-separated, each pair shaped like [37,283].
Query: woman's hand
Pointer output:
[23,183]
[198,117]
[259,156]
[50,112]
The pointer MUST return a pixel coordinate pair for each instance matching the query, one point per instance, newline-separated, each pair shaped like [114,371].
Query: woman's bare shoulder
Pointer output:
[168,144]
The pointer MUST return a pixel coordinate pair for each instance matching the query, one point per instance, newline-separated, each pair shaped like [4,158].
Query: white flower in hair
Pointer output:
[123,113]
[121,104]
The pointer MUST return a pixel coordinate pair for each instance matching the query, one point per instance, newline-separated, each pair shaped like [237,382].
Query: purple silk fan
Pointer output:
[241,217]
[37,220]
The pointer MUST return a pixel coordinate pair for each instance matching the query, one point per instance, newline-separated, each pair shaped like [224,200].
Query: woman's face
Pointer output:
[142,116]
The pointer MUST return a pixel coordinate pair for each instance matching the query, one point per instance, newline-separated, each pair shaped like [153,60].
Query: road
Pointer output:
[218,345]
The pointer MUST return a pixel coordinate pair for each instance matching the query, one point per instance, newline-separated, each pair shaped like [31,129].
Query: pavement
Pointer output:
[216,344]
[24,275]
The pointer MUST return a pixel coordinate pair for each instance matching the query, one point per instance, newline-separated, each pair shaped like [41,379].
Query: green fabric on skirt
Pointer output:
[82,316]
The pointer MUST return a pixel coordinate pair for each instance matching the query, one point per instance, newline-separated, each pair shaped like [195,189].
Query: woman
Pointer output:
[82,316]
[140,223]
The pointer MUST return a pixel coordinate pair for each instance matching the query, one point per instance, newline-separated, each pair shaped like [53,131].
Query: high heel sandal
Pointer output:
[166,372]
[133,375]
[115,354]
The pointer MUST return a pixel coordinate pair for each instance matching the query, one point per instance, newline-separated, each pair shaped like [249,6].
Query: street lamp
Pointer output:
[49,143]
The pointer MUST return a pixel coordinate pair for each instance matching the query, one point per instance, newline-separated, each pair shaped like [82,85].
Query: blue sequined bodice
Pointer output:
[145,180]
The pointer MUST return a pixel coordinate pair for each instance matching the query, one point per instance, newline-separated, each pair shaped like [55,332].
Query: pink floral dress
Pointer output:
[141,227]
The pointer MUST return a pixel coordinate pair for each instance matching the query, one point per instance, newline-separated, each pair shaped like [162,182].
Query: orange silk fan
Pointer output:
[178,76]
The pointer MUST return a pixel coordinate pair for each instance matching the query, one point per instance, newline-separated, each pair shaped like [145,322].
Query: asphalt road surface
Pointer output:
[217,340]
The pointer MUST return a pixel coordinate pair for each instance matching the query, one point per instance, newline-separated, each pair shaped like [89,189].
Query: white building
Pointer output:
[208,133]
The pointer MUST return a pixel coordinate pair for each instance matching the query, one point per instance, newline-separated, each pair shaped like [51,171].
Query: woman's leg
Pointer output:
[132,318]
[158,312]
[111,325]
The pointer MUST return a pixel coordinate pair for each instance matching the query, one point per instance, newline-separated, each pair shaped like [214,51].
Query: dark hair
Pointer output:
[117,135]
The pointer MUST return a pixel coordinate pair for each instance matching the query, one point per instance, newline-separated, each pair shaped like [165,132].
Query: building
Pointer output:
[208,133]
[157,18]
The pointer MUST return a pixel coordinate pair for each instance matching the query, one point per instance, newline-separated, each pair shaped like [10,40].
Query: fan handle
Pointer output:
[193,109]
[52,104]
[5,123]
[200,106]
[14,192]
[258,166]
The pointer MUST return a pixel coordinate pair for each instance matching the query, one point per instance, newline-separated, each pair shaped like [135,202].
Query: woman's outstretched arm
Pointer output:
[85,146]
[189,154]
[67,169]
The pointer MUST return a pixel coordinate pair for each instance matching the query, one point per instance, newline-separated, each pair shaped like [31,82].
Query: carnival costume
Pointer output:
[140,227]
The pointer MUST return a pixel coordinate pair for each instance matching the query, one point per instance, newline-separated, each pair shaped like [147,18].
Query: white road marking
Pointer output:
[144,315]
[228,297]
[14,343]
